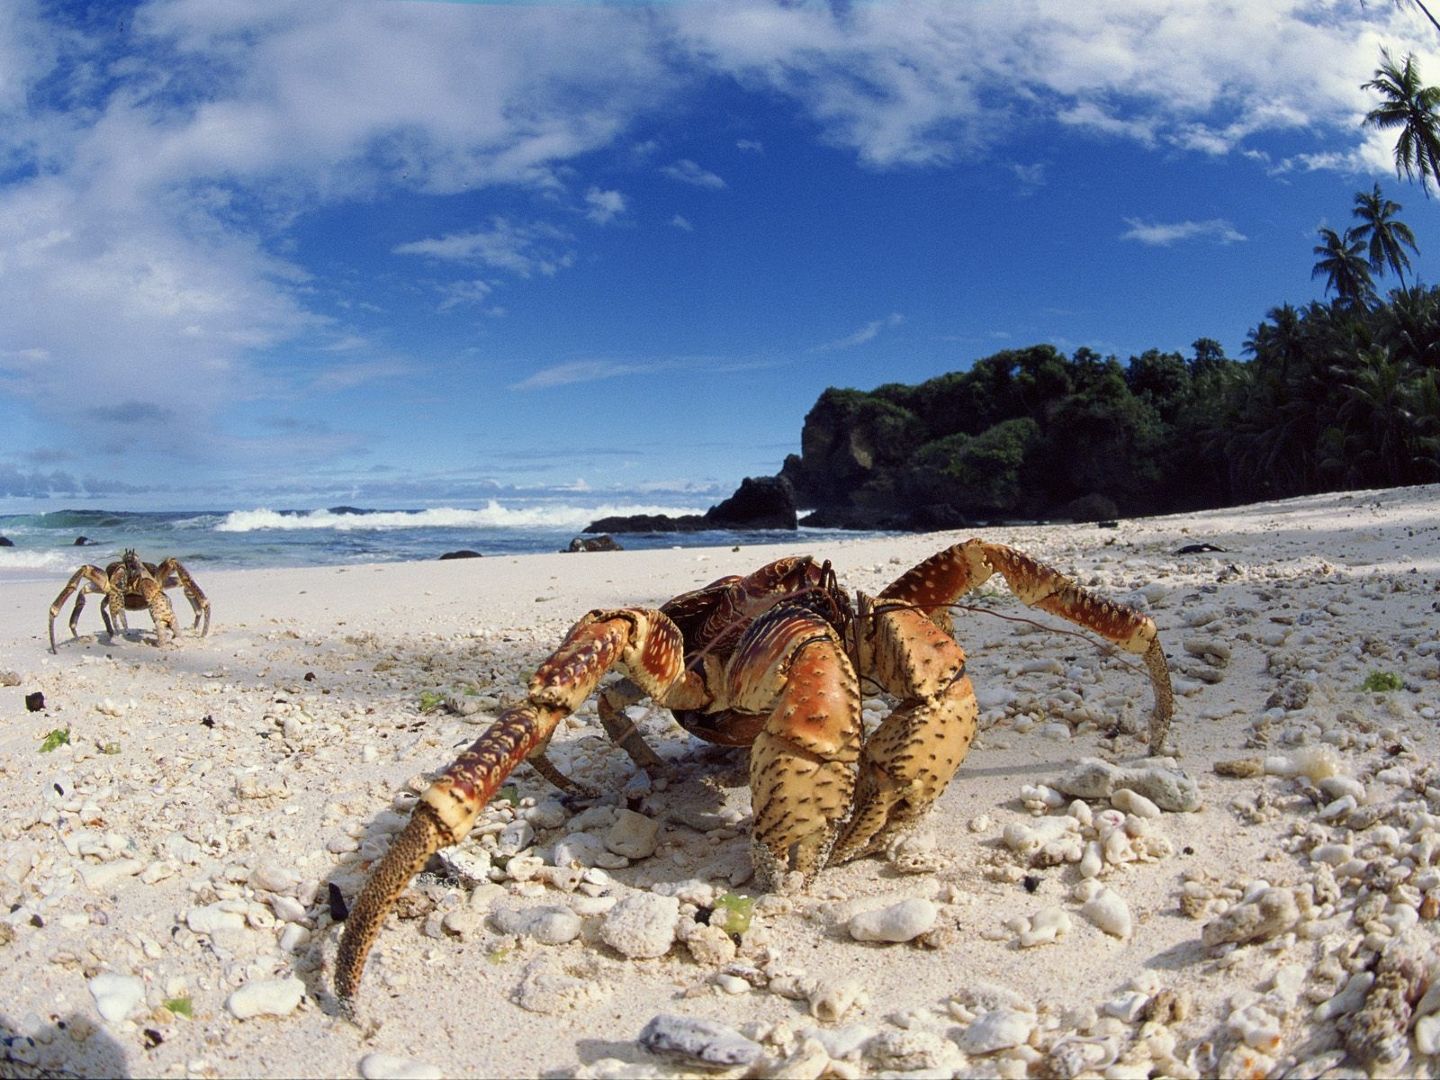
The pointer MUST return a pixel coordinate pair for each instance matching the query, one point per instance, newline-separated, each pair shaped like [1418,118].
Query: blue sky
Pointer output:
[403,253]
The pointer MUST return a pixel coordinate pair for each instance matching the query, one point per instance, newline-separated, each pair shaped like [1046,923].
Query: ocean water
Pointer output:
[44,544]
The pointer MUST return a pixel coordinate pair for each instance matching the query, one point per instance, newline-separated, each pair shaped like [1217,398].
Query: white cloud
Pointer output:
[928,81]
[523,249]
[349,376]
[151,178]
[682,223]
[688,172]
[577,371]
[604,206]
[456,294]
[750,146]
[869,332]
[1031,177]
[1163,234]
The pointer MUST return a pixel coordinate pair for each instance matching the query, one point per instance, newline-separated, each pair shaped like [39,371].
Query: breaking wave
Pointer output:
[492,516]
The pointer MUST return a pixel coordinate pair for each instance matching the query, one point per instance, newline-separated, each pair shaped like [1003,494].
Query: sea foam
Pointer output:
[492,516]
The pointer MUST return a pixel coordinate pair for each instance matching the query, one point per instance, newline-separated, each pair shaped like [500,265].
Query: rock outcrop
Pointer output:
[766,502]
[603,542]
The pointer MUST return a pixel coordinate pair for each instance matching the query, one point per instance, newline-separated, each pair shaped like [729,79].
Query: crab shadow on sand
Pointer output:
[52,1050]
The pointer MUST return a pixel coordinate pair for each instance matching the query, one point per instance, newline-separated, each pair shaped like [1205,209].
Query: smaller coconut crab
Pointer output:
[778,661]
[130,584]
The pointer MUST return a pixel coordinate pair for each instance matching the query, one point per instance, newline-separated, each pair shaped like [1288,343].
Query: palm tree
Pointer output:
[1342,261]
[1412,108]
[1387,235]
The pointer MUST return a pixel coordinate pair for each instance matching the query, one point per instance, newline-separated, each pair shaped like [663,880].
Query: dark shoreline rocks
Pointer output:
[603,542]
[655,523]
[764,502]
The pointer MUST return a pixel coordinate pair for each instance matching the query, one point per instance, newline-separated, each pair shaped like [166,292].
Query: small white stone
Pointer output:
[998,1029]
[1256,1027]
[1045,926]
[1085,890]
[288,908]
[1126,1008]
[904,921]
[100,876]
[641,925]
[1041,797]
[1132,802]
[1286,985]
[547,814]
[273,877]
[552,925]
[1336,786]
[1427,1034]
[115,995]
[1339,808]
[1108,910]
[580,849]
[266,997]
[1349,999]
[515,837]
[1395,776]
[831,999]
[633,835]
[391,1067]
[731,984]
[1334,854]
[213,918]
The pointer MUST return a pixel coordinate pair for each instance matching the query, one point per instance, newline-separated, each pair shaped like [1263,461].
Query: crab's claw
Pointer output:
[443,817]
[645,643]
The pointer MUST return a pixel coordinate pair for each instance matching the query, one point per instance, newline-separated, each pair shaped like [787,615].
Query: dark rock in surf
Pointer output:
[603,542]
[763,502]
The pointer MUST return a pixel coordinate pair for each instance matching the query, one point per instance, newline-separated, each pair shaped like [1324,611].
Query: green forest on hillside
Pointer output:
[1333,396]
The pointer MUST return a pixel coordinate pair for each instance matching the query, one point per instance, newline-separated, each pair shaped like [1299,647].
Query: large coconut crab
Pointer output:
[777,661]
[131,584]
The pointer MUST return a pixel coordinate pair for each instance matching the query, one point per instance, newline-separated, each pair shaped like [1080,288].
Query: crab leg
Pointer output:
[141,582]
[908,761]
[613,702]
[172,570]
[802,763]
[945,577]
[86,579]
[644,642]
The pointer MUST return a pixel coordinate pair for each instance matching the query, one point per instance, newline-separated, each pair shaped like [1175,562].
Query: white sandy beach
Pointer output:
[180,847]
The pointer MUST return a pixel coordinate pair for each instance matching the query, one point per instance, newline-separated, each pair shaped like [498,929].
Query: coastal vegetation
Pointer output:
[1333,395]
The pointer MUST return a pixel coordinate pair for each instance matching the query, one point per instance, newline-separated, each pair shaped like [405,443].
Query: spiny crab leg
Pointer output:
[644,642]
[790,671]
[141,582]
[86,579]
[171,571]
[911,758]
[948,575]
